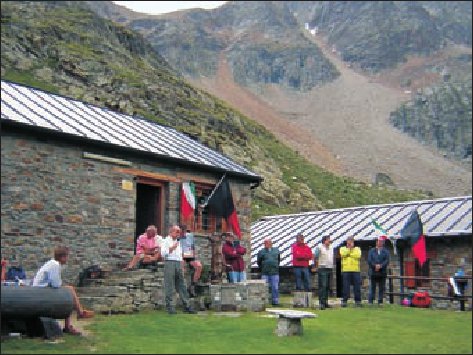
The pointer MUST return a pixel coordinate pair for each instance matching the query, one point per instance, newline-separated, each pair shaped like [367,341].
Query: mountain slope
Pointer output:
[369,145]
[341,123]
[64,48]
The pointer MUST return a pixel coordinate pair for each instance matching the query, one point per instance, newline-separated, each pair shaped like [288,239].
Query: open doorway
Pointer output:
[148,208]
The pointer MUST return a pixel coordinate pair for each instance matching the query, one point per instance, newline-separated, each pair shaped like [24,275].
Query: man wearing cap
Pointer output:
[378,261]
[351,271]
[268,260]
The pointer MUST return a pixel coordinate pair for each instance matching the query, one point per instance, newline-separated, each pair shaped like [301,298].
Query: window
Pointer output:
[203,220]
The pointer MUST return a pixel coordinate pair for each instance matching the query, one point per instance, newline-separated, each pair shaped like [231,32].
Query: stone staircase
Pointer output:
[124,291]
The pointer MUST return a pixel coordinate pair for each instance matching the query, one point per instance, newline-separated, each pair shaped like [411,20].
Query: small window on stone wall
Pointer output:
[204,221]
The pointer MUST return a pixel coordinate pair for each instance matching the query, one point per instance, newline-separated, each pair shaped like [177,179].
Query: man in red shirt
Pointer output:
[301,254]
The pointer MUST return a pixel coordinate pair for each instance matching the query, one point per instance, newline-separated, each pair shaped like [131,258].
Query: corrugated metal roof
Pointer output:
[441,217]
[37,108]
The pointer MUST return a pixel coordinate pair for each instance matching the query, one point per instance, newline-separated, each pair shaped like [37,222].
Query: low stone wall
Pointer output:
[132,291]
[250,295]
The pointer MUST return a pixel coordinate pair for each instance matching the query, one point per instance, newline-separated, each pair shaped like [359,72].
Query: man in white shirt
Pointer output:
[171,252]
[49,275]
[324,261]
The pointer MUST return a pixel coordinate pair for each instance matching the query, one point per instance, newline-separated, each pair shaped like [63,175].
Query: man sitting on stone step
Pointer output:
[148,248]
[49,275]
[189,257]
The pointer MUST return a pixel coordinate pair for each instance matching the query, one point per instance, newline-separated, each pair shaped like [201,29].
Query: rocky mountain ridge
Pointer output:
[64,48]
[373,38]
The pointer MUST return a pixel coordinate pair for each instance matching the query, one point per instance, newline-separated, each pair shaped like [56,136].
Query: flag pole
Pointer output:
[213,191]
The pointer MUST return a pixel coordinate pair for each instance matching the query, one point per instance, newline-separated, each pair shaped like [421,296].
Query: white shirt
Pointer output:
[176,254]
[158,240]
[49,275]
[325,256]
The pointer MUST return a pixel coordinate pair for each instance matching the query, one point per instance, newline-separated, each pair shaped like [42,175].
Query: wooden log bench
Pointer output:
[25,309]
[290,321]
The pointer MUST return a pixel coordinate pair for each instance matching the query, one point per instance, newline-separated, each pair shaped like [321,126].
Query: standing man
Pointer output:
[378,261]
[147,248]
[188,254]
[173,275]
[323,259]
[301,255]
[351,271]
[268,260]
[49,275]
[233,253]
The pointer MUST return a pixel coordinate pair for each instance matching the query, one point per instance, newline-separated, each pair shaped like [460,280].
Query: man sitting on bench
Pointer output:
[49,275]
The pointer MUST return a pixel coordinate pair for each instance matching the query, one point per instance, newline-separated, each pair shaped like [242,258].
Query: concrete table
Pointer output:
[290,321]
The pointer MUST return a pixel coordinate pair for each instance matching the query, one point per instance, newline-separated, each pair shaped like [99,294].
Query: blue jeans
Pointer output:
[351,278]
[273,282]
[236,276]
[302,276]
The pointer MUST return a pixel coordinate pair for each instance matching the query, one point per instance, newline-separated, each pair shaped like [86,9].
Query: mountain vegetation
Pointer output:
[65,48]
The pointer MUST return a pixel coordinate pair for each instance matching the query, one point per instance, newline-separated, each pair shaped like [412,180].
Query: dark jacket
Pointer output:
[233,256]
[268,261]
[378,258]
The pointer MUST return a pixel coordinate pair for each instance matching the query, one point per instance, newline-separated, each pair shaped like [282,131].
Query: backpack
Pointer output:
[421,299]
[16,273]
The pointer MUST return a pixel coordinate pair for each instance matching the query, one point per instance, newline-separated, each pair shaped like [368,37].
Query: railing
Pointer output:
[462,282]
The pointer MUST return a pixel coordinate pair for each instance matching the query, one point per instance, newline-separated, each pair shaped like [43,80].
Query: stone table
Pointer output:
[290,321]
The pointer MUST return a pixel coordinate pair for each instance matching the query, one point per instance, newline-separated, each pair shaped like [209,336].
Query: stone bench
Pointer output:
[290,321]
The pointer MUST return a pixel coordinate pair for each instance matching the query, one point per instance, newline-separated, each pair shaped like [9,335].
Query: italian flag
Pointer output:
[380,232]
[187,200]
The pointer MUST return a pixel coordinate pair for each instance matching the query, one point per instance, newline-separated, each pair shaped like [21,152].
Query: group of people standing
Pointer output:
[323,257]
[178,248]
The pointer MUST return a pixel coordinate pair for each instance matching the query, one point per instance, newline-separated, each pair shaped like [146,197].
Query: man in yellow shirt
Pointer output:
[351,271]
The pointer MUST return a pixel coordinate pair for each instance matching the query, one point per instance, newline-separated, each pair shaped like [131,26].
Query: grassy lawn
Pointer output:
[389,330]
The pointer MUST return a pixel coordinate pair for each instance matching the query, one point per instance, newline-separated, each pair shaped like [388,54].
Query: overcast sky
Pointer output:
[161,7]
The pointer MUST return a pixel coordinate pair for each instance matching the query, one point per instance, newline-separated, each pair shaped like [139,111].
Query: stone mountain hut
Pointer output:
[93,179]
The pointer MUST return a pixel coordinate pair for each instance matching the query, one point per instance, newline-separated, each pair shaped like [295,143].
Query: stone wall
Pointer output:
[133,291]
[52,195]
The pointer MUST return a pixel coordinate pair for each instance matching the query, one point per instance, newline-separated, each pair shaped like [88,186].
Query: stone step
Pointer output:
[102,290]
[108,305]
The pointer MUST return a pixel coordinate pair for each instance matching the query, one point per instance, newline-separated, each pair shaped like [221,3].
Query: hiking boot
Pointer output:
[189,310]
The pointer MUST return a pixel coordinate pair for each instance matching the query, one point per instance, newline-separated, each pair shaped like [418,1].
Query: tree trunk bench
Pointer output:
[290,321]
[26,308]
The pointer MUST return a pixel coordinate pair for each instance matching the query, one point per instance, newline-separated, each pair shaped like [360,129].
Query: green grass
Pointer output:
[389,330]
